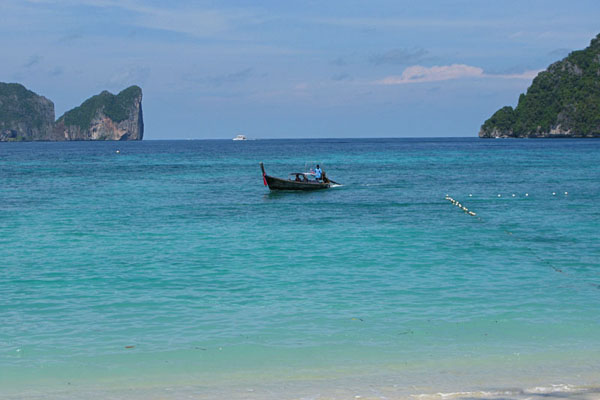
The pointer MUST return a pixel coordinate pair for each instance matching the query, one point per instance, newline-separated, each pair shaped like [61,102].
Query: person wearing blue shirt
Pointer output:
[318,173]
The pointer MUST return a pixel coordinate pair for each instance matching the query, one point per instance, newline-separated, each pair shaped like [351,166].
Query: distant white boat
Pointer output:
[240,137]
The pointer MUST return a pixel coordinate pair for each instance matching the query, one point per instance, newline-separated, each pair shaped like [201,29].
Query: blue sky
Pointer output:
[284,69]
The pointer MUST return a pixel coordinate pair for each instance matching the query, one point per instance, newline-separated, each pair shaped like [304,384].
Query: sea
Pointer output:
[440,268]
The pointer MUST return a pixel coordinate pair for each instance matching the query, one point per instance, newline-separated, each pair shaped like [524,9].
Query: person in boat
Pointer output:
[318,173]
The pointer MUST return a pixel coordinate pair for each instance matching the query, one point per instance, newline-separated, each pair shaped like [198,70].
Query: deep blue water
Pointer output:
[177,248]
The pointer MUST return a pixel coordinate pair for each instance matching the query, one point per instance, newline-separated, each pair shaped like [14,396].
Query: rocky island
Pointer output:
[26,116]
[562,101]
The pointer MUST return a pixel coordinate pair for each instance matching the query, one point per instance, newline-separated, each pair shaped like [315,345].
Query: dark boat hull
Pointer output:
[286,184]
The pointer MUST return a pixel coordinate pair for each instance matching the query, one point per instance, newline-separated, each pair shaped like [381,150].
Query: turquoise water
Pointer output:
[169,270]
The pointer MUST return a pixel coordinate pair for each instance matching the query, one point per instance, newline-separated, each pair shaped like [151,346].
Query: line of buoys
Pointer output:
[516,195]
[457,204]
[541,259]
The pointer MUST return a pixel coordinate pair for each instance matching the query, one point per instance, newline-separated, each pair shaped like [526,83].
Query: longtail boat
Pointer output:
[296,181]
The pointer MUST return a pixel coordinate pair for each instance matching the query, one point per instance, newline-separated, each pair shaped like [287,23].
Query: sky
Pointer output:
[293,69]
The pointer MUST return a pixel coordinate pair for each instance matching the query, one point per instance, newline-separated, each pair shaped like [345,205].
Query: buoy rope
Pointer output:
[509,233]
[459,205]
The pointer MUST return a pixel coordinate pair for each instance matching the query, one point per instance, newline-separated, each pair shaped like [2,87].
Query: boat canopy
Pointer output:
[307,174]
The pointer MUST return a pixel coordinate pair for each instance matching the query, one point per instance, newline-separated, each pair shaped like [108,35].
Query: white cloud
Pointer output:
[417,74]
[420,74]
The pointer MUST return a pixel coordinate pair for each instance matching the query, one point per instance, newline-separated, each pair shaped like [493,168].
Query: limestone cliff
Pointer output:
[563,101]
[24,115]
[105,117]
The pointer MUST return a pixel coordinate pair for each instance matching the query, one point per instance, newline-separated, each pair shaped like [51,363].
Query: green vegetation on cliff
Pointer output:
[564,100]
[116,108]
[18,104]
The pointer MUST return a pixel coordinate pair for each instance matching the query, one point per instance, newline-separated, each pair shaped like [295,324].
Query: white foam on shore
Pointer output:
[462,395]
[564,391]
[305,391]
[560,388]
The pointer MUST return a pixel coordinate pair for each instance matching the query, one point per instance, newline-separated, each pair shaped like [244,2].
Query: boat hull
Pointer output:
[286,184]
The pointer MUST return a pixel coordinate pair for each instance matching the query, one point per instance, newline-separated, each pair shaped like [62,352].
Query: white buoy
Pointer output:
[499,195]
[553,193]
[118,151]
[526,194]
[566,193]
[513,195]
[470,195]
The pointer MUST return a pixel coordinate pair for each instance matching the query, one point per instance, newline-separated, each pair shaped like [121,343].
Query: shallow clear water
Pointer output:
[177,248]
